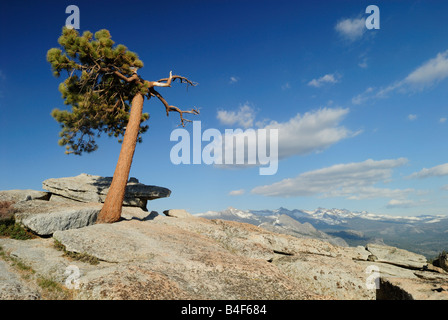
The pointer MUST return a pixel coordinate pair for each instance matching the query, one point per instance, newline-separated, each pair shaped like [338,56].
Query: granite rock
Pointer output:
[91,188]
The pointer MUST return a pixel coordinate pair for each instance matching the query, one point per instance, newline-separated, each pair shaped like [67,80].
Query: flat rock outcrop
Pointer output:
[46,217]
[72,202]
[12,287]
[181,256]
[152,256]
[91,188]
[396,256]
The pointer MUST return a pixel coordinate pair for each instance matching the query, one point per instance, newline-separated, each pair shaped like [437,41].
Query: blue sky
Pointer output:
[362,114]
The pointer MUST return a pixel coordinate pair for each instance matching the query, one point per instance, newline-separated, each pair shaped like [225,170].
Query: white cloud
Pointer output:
[311,132]
[352,180]
[428,74]
[437,171]
[328,78]
[362,97]
[351,29]
[244,116]
[237,192]
[412,117]
[234,79]
[403,203]
[442,120]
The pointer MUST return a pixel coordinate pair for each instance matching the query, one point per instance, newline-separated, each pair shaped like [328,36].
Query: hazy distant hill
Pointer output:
[424,234]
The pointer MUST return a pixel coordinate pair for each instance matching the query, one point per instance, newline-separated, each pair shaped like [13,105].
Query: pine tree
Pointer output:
[106,96]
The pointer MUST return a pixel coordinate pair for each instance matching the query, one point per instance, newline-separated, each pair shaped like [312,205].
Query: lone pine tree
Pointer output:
[106,96]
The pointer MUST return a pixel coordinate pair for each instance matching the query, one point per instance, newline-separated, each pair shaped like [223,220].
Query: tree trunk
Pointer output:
[111,211]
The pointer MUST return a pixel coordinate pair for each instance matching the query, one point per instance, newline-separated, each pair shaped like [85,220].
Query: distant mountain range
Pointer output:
[424,234]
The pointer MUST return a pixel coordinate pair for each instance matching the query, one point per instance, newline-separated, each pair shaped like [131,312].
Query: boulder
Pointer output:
[91,188]
[129,213]
[178,213]
[46,217]
[442,261]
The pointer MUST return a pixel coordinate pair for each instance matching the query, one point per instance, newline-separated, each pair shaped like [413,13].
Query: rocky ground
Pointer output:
[175,255]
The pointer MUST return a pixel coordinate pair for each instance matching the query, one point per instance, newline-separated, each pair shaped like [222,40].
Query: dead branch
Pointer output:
[169,108]
[166,82]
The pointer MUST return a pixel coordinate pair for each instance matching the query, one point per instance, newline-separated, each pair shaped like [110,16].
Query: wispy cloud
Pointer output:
[352,180]
[412,117]
[351,29]
[237,192]
[402,203]
[362,97]
[437,171]
[328,78]
[234,79]
[442,120]
[431,72]
[244,116]
[425,76]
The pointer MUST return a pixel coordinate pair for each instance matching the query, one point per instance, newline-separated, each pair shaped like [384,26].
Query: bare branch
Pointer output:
[169,108]
[160,84]
[166,82]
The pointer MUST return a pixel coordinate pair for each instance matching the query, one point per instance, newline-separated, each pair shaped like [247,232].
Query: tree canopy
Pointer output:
[100,100]
[99,87]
